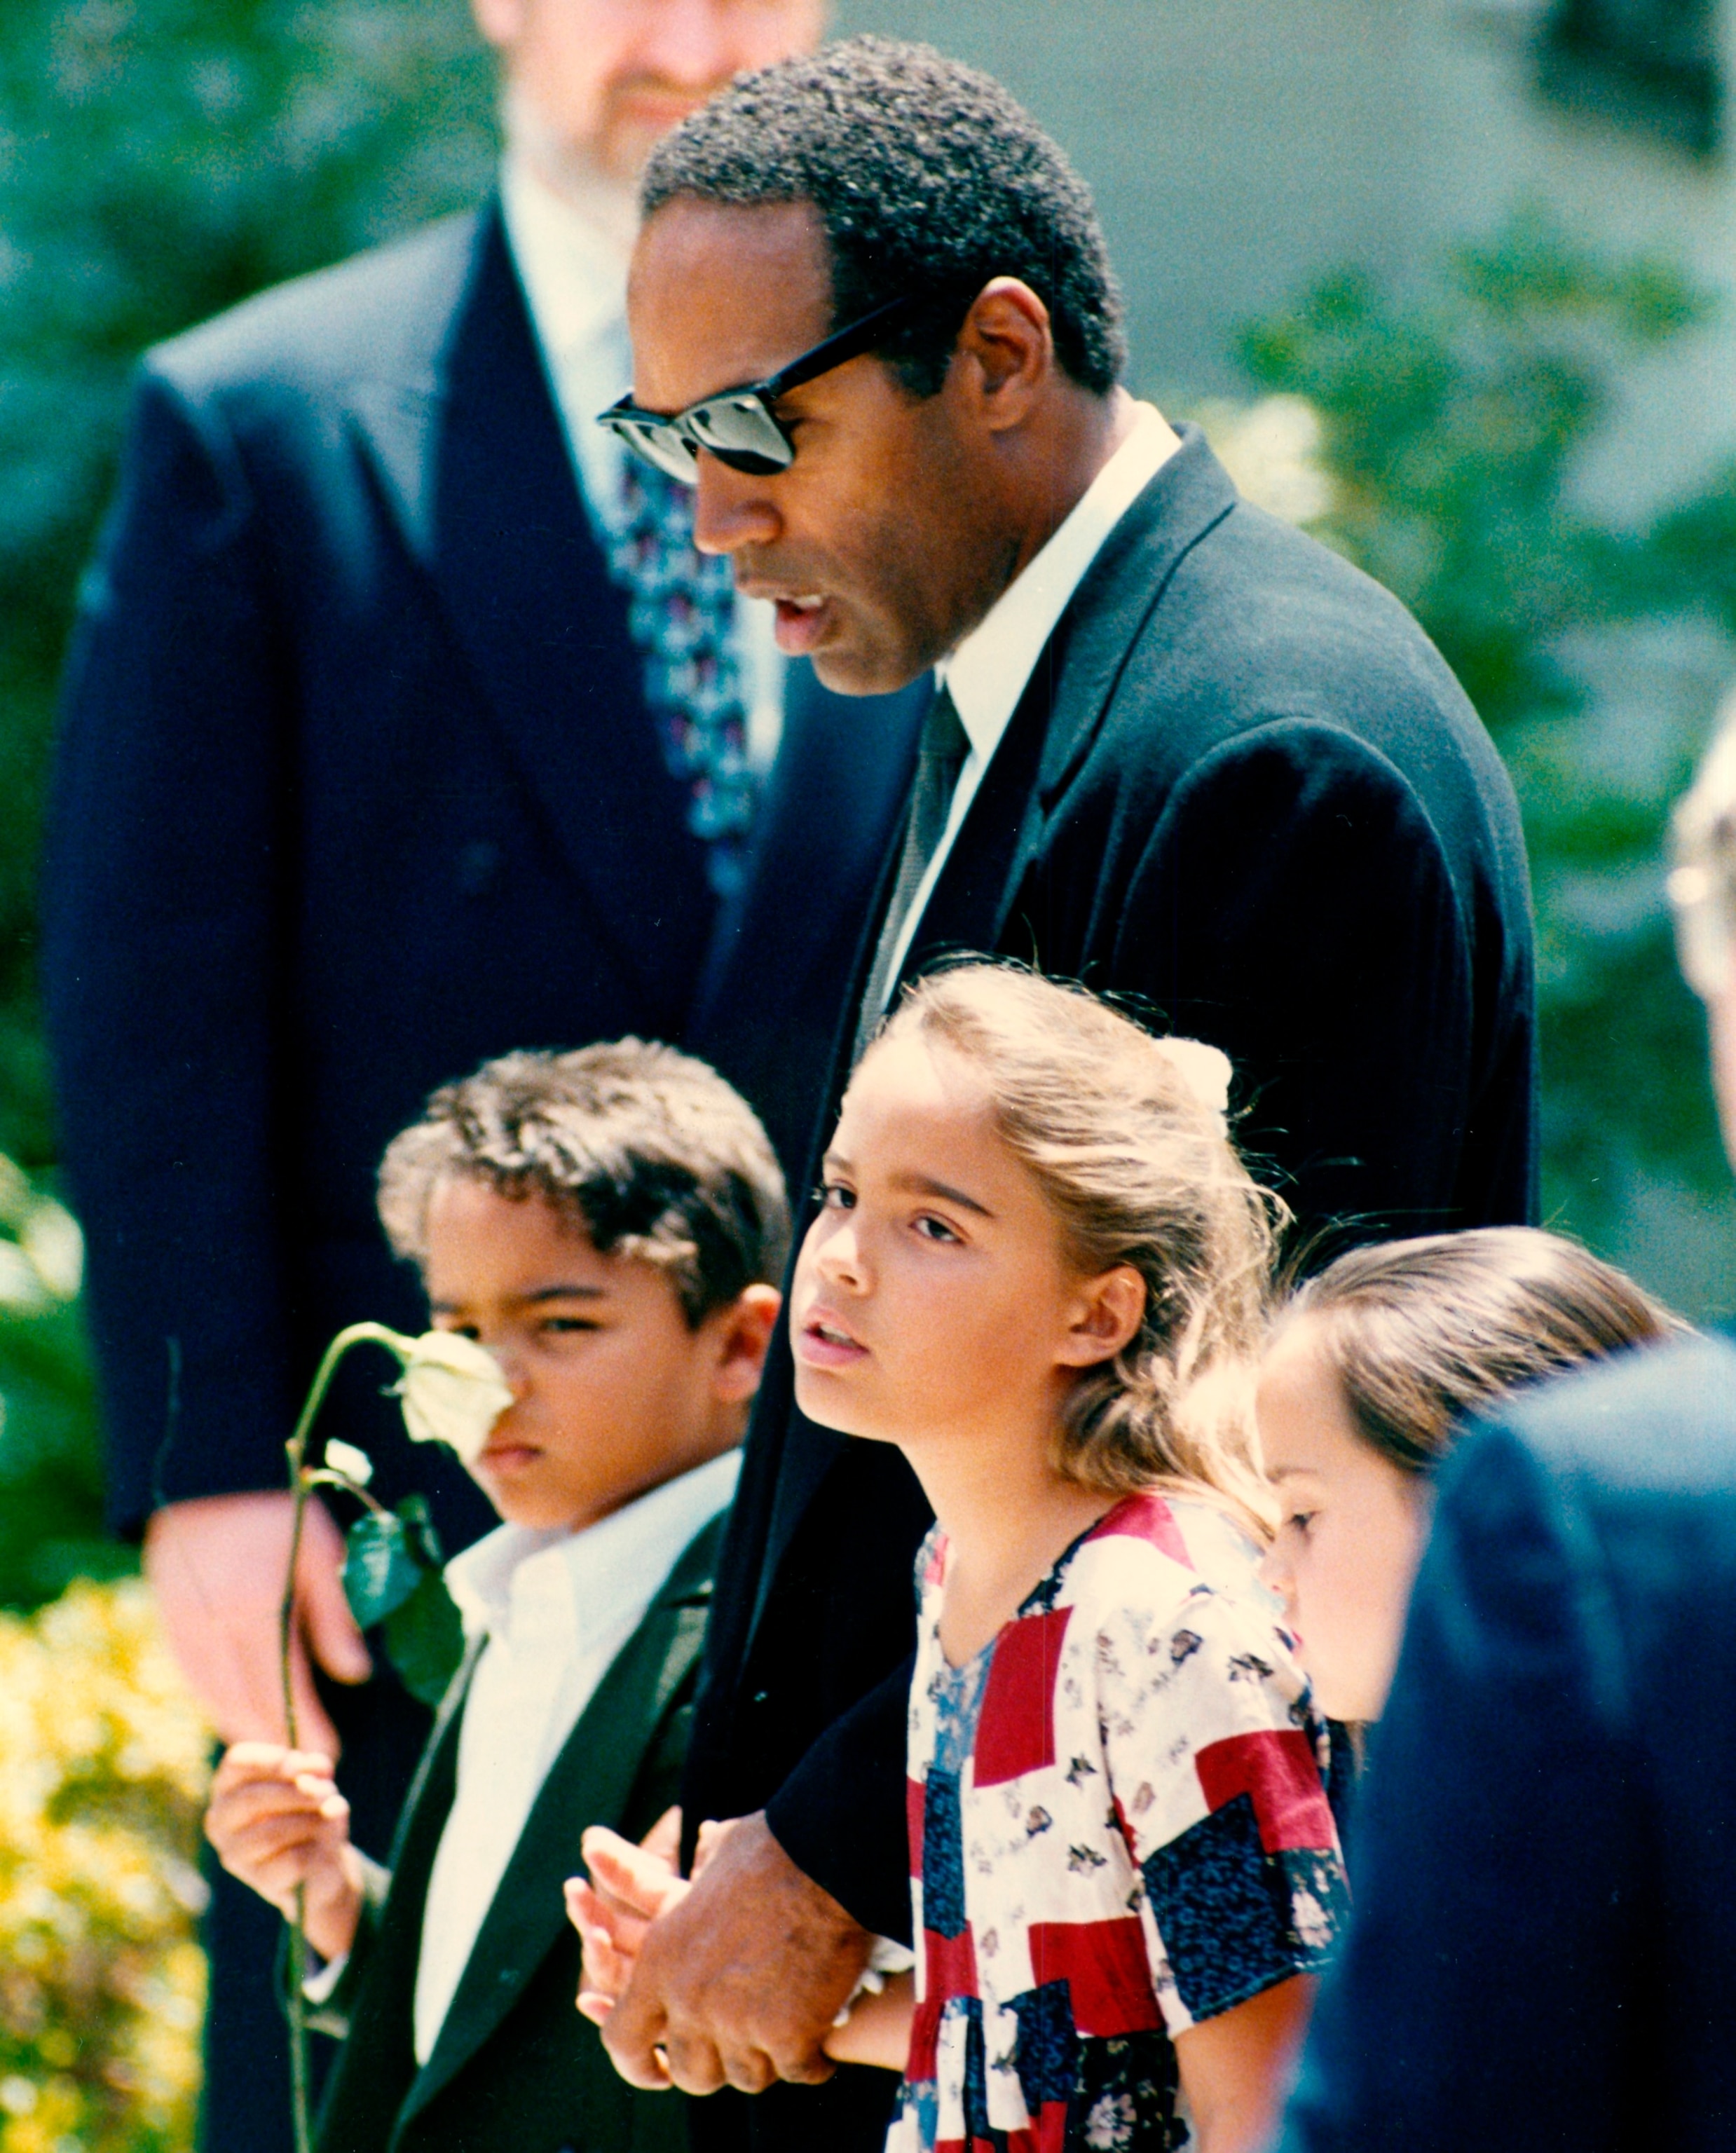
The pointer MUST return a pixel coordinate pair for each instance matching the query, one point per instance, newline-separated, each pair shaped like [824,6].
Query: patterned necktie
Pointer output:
[940,757]
[681,616]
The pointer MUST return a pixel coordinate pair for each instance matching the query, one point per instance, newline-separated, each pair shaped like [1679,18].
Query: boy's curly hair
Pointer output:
[647,1151]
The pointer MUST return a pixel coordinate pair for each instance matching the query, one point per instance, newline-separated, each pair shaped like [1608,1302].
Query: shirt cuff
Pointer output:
[885,1959]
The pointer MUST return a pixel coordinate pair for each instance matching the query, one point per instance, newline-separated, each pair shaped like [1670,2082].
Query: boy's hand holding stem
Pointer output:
[279,1822]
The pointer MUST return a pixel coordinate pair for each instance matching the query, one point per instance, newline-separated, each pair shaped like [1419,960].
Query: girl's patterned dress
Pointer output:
[1116,1827]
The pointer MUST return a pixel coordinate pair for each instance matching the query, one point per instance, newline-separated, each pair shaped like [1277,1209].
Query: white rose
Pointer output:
[452,1391]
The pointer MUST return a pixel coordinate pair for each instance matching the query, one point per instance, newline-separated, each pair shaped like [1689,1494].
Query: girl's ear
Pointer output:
[745,1331]
[1106,1316]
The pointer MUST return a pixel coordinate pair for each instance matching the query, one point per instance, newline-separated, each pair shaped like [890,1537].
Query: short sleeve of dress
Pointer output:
[1214,1758]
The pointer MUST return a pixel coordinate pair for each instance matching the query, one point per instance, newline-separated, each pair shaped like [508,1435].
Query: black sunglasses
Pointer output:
[739,426]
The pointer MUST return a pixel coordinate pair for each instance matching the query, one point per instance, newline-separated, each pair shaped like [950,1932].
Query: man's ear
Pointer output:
[1008,343]
[745,1330]
[1106,1317]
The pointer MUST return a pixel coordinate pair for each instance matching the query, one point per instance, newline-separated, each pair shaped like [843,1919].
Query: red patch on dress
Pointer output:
[1276,1768]
[1108,1974]
[1015,1727]
[1046,2134]
[924,2061]
[951,1966]
[1146,1518]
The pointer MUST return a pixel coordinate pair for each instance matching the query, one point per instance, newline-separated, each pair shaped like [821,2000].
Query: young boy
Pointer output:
[608,1224]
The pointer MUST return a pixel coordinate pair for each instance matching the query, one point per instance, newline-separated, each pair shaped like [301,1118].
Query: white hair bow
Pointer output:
[1205,1070]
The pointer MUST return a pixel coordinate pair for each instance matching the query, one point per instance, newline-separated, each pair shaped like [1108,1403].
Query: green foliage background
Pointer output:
[161,159]
[1456,423]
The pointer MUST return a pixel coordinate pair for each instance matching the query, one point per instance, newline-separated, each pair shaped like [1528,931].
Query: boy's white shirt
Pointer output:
[556,1608]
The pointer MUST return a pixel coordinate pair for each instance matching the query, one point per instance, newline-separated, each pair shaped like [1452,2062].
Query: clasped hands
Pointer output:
[735,1978]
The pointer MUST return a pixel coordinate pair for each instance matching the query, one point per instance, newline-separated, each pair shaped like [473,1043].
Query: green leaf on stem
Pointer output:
[383,1565]
[425,1639]
[392,1575]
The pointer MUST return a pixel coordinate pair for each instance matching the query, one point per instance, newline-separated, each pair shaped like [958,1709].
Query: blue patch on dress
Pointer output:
[943,1856]
[1222,1905]
[1048,2060]
[976,2088]
[1125,2100]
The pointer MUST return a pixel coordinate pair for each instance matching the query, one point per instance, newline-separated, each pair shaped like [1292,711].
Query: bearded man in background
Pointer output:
[402,726]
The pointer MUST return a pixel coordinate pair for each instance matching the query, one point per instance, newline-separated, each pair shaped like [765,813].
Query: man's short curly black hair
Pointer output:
[927,176]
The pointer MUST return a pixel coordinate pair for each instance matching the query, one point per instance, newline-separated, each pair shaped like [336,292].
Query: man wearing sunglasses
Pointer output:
[1180,752]
[403,728]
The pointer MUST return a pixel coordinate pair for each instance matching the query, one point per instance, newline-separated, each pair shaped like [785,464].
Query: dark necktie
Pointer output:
[939,756]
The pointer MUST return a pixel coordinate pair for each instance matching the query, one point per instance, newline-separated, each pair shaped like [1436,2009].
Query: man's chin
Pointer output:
[847,672]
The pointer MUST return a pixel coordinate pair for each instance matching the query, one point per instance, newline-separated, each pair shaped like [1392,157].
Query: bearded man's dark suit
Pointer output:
[357,786]
[1243,788]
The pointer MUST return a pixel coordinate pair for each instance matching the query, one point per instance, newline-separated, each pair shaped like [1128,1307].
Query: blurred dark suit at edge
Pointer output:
[357,786]
[1542,1959]
[1242,786]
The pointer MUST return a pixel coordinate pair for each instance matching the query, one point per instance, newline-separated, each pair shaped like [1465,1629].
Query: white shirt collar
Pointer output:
[988,672]
[571,261]
[571,251]
[556,1607]
[503,1583]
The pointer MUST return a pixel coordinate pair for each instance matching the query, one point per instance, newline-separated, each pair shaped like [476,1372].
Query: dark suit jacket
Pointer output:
[1542,1957]
[1243,787]
[356,786]
[515,2069]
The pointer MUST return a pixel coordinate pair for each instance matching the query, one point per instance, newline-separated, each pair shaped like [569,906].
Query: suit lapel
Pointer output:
[804,1452]
[589,1783]
[376,2065]
[1063,706]
[470,450]
[429,1799]
[1120,590]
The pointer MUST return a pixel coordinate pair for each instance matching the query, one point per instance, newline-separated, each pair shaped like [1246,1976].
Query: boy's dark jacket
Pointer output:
[515,2069]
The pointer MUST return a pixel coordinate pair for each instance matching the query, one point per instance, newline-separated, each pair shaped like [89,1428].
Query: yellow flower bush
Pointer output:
[104,1764]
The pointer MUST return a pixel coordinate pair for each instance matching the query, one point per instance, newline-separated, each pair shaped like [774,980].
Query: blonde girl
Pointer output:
[1040,1270]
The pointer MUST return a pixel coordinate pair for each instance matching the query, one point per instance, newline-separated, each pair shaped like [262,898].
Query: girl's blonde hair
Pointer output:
[1122,1134]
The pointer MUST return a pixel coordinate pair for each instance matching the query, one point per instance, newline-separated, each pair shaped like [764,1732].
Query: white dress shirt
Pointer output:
[571,252]
[988,672]
[556,1608]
